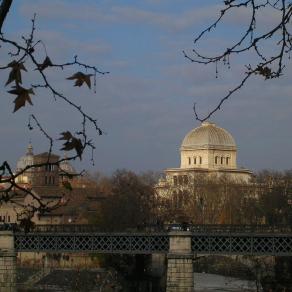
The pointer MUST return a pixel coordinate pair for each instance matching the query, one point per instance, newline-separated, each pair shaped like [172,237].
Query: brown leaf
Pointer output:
[264,71]
[15,73]
[81,78]
[46,63]
[72,143]
[22,96]
[66,136]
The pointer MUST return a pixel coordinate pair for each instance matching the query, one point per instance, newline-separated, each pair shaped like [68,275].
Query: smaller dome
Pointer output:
[25,160]
[208,136]
[66,167]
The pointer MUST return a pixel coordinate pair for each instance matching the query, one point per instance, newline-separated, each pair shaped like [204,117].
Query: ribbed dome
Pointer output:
[66,167]
[208,136]
[25,160]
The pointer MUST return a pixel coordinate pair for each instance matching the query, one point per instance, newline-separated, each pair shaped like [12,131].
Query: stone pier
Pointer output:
[180,276]
[7,262]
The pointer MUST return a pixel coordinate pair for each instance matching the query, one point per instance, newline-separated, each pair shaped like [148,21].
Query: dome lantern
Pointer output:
[25,160]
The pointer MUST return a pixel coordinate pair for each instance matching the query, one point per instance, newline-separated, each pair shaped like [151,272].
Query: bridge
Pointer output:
[180,246]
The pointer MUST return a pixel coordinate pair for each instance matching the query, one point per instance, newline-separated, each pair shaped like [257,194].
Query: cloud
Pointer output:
[62,10]
[145,104]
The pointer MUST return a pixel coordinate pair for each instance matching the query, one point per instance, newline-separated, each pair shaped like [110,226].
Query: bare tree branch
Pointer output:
[252,40]
[4,9]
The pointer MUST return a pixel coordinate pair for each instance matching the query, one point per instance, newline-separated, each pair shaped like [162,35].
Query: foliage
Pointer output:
[223,201]
[129,202]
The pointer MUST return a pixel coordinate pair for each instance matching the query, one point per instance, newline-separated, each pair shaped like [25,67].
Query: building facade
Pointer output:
[208,154]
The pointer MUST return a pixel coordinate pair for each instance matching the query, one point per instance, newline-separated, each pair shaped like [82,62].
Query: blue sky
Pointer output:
[145,103]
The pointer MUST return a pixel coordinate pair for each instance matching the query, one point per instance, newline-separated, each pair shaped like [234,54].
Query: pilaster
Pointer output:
[7,262]
[180,276]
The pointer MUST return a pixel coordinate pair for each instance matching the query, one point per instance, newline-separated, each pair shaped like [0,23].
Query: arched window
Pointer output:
[190,161]
[195,160]
[200,159]
[222,159]
[227,160]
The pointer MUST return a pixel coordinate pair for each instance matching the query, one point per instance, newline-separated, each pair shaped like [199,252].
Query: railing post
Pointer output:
[7,262]
[180,276]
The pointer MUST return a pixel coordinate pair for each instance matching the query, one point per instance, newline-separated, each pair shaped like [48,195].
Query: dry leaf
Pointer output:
[46,63]
[81,78]
[72,143]
[22,96]
[15,73]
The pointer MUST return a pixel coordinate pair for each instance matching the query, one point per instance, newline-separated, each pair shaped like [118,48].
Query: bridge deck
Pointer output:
[148,243]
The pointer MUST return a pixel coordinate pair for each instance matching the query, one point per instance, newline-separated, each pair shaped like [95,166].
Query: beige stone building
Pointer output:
[206,151]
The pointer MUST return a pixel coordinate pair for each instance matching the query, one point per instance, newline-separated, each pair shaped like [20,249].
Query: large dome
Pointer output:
[25,160]
[66,167]
[208,136]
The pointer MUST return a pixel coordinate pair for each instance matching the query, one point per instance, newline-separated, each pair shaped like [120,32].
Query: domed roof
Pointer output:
[25,160]
[208,136]
[66,167]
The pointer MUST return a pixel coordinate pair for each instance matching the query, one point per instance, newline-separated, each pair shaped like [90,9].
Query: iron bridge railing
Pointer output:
[148,243]
[246,244]
[94,242]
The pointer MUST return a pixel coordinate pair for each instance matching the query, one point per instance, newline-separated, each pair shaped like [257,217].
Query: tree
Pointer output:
[25,55]
[273,202]
[128,204]
[209,200]
[269,64]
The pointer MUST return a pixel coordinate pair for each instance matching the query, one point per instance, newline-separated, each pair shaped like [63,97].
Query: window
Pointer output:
[195,160]
[49,167]
[180,179]
[200,158]
[46,180]
[227,160]
[222,160]
[216,159]
[8,218]
[186,180]
[190,160]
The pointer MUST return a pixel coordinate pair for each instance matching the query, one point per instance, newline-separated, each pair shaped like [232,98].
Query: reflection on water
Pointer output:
[211,282]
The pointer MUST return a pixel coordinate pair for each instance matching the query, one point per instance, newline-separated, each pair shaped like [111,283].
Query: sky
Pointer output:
[145,104]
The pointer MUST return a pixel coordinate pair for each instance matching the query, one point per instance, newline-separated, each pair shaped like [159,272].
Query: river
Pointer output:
[212,282]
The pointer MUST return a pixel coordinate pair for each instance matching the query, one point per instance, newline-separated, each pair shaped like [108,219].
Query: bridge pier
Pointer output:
[7,262]
[180,276]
